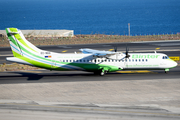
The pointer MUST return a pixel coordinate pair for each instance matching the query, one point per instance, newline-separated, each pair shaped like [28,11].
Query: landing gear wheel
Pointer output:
[102,73]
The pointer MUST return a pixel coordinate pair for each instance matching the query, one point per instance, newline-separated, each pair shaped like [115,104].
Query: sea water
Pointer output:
[93,16]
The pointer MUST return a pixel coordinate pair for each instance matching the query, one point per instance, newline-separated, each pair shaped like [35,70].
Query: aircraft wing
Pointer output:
[98,53]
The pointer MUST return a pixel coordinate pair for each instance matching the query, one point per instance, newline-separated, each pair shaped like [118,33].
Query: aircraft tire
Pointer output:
[102,73]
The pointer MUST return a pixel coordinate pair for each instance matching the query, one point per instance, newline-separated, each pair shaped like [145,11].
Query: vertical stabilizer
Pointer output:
[19,44]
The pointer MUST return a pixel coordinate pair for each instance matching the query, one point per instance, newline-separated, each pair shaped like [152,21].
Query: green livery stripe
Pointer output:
[25,50]
[18,37]
[13,29]
[34,55]
[94,67]
[40,64]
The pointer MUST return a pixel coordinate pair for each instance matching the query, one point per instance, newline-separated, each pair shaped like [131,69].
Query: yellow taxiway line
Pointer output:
[136,71]
[64,51]
[111,49]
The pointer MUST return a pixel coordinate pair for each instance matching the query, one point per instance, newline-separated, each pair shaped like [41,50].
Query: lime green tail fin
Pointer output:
[19,44]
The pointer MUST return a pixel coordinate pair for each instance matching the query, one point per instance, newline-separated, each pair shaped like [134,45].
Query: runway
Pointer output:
[77,95]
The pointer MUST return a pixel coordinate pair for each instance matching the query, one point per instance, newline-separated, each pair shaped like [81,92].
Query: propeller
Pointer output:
[115,49]
[127,50]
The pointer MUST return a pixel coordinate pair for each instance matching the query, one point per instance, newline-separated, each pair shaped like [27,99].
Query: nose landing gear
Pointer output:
[166,70]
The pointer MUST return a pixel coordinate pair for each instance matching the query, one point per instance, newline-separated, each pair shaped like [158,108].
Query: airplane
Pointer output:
[99,62]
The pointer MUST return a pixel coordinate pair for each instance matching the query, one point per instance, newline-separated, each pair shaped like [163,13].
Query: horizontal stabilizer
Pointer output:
[17,60]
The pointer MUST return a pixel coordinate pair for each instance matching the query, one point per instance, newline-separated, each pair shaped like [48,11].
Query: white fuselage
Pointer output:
[135,61]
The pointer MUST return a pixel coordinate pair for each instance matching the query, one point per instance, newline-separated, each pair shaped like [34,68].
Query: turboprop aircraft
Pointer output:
[99,62]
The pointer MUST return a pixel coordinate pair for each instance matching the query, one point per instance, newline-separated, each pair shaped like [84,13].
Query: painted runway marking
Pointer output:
[64,51]
[111,49]
[175,58]
[136,71]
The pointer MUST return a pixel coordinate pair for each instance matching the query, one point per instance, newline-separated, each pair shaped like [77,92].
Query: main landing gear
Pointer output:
[101,73]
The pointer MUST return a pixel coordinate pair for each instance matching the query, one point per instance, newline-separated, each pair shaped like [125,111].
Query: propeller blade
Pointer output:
[127,50]
[115,49]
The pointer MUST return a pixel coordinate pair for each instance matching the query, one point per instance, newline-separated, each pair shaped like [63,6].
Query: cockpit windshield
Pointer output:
[165,57]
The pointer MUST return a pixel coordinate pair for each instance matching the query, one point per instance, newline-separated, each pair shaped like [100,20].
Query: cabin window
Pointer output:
[66,60]
[129,60]
[146,60]
[139,60]
[122,60]
[84,60]
[136,60]
[105,60]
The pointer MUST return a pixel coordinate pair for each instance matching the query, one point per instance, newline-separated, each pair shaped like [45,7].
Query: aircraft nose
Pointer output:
[174,64]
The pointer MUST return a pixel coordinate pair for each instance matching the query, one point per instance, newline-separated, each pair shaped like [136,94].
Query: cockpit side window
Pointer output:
[165,57]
